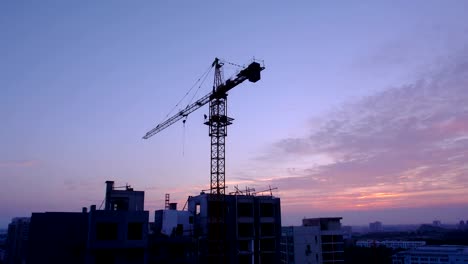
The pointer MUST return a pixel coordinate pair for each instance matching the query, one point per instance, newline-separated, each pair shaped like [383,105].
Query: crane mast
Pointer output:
[217,123]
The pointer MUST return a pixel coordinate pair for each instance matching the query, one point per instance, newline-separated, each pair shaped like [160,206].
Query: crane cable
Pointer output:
[234,64]
[198,80]
[183,136]
[204,78]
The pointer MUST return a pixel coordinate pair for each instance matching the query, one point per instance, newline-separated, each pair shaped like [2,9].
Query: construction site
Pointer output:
[243,226]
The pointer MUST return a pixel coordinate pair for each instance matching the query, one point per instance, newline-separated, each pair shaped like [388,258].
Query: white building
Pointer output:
[172,221]
[447,254]
[394,244]
[318,240]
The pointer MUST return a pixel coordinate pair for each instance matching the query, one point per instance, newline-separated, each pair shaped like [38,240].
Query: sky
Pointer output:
[361,112]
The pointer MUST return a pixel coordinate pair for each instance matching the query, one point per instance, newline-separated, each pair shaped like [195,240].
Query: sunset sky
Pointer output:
[361,112]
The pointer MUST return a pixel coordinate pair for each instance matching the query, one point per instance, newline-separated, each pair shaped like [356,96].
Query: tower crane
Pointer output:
[218,119]
[217,130]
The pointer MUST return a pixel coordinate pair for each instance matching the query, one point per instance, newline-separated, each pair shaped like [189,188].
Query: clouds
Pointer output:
[404,146]
[18,163]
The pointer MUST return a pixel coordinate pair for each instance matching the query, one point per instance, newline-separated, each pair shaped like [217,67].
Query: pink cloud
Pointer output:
[405,146]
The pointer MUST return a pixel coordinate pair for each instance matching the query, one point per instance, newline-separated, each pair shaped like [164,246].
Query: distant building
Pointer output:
[394,244]
[252,227]
[3,238]
[172,222]
[17,240]
[375,227]
[2,255]
[462,225]
[347,232]
[318,240]
[172,238]
[433,255]
[117,234]
[436,223]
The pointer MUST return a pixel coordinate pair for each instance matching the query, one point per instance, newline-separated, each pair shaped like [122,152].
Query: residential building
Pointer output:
[117,234]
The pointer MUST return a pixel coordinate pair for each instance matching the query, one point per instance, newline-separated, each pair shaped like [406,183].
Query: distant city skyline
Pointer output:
[361,112]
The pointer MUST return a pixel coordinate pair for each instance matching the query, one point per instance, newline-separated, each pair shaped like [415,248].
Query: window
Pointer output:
[267,229]
[245,245]
[135,231]
[245,230]
[267,210]
[215,208]
[106,231]
[244,210]
[308,250]
[267,245]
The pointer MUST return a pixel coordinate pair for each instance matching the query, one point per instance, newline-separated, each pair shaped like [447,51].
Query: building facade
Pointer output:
[119,233]
[318,240]
[252,226]
[170,222]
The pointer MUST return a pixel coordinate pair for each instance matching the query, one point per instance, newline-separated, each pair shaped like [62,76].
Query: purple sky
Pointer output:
[361,111]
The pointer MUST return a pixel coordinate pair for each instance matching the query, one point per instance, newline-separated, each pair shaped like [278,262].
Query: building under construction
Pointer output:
[252,226]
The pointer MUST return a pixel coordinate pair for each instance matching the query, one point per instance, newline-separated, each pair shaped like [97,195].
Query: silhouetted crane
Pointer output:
[217,122]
